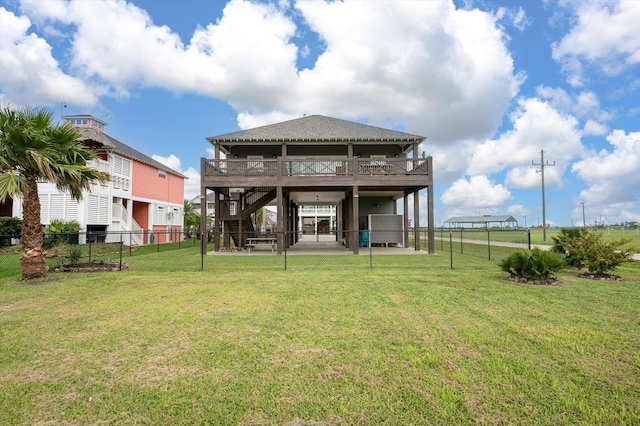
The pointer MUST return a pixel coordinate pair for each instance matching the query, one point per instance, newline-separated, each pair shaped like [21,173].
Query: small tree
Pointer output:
[584,249]
[566,243]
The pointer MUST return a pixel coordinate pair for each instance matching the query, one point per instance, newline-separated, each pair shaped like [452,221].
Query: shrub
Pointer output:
[567,242]
[584,249]
[75,253]
[9,227]
[60,231]
[536,264]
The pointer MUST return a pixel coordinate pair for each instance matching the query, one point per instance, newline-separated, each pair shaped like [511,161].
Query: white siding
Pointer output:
[58,206]
[98,210]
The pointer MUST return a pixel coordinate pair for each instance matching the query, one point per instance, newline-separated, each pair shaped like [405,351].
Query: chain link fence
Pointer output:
[178,251]
[490,244]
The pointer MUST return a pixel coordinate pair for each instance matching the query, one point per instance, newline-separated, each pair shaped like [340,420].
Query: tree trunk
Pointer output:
[33,262]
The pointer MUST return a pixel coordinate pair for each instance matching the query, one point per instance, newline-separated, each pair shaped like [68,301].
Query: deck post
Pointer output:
[406,220]
[355,225]
[280,218]
[431,237]
[416,219]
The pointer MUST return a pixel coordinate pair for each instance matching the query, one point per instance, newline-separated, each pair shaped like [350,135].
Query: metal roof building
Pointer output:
[485,220]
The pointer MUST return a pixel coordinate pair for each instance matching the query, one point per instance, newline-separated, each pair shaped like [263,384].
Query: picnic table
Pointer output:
[254,242]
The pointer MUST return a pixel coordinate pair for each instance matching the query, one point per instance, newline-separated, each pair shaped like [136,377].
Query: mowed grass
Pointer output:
[319,347]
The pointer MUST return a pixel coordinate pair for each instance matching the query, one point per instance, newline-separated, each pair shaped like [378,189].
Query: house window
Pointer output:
[162,174]
[160,217]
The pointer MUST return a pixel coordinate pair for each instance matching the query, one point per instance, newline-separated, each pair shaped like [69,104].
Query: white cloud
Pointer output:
[518,18]
[442,72]
[612,176]
[477,193]
[537,126]
[192,183]
[29,74]
[606,35]
[593,128]
[622,162]
[518,210]
[117,44]
[584,105]
[426,65]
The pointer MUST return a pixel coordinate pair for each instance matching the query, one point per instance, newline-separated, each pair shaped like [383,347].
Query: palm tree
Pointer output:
[188,207]
[33,149]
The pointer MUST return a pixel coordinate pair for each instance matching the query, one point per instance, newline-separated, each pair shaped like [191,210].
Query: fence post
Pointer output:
[130,242]
[529,238]
[451,247]
[489,243]
[285,256]
[203,249]
[371,250]
[89,235]
[120,266]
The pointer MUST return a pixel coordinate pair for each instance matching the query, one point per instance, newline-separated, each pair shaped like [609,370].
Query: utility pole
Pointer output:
[544,216]
[584,223]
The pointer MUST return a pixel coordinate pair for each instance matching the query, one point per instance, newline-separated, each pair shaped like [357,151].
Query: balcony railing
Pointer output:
[317,167]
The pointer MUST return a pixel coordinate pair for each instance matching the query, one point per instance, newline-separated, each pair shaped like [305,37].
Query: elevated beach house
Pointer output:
[316,160]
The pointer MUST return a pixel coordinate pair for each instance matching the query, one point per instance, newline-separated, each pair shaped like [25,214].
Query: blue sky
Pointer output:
[490,84]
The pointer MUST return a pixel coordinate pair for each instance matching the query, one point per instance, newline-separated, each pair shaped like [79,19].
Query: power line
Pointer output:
[542,165]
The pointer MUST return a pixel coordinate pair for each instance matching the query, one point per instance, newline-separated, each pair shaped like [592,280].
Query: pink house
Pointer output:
[142,196]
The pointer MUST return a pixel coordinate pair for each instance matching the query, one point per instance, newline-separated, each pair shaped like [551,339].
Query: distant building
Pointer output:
[484,221]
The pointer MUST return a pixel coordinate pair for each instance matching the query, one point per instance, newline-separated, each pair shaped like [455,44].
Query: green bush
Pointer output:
[536,264]
[584,249]
[566,243]
[60,231]
[9,226]
[75,254]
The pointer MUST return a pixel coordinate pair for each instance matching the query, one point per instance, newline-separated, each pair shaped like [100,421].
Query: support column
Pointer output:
[354,235]
[416,219]
[431,220]
[216,220]
[348,204]
[280,219]
[416,207]
[406,220]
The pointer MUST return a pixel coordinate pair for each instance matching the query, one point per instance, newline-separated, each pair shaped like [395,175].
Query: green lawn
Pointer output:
[319,347]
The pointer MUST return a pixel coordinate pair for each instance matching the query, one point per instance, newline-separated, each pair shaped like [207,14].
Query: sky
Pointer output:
[490,83]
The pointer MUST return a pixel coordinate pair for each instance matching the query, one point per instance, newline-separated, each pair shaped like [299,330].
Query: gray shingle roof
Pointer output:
[316,128]
[110,143]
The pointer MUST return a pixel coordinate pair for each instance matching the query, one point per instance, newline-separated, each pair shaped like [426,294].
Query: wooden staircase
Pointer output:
[250,201]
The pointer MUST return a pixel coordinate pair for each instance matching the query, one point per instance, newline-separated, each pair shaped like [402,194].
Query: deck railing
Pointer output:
[317,167]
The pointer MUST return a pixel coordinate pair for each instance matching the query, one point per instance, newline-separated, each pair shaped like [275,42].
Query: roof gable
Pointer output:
[316,128]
